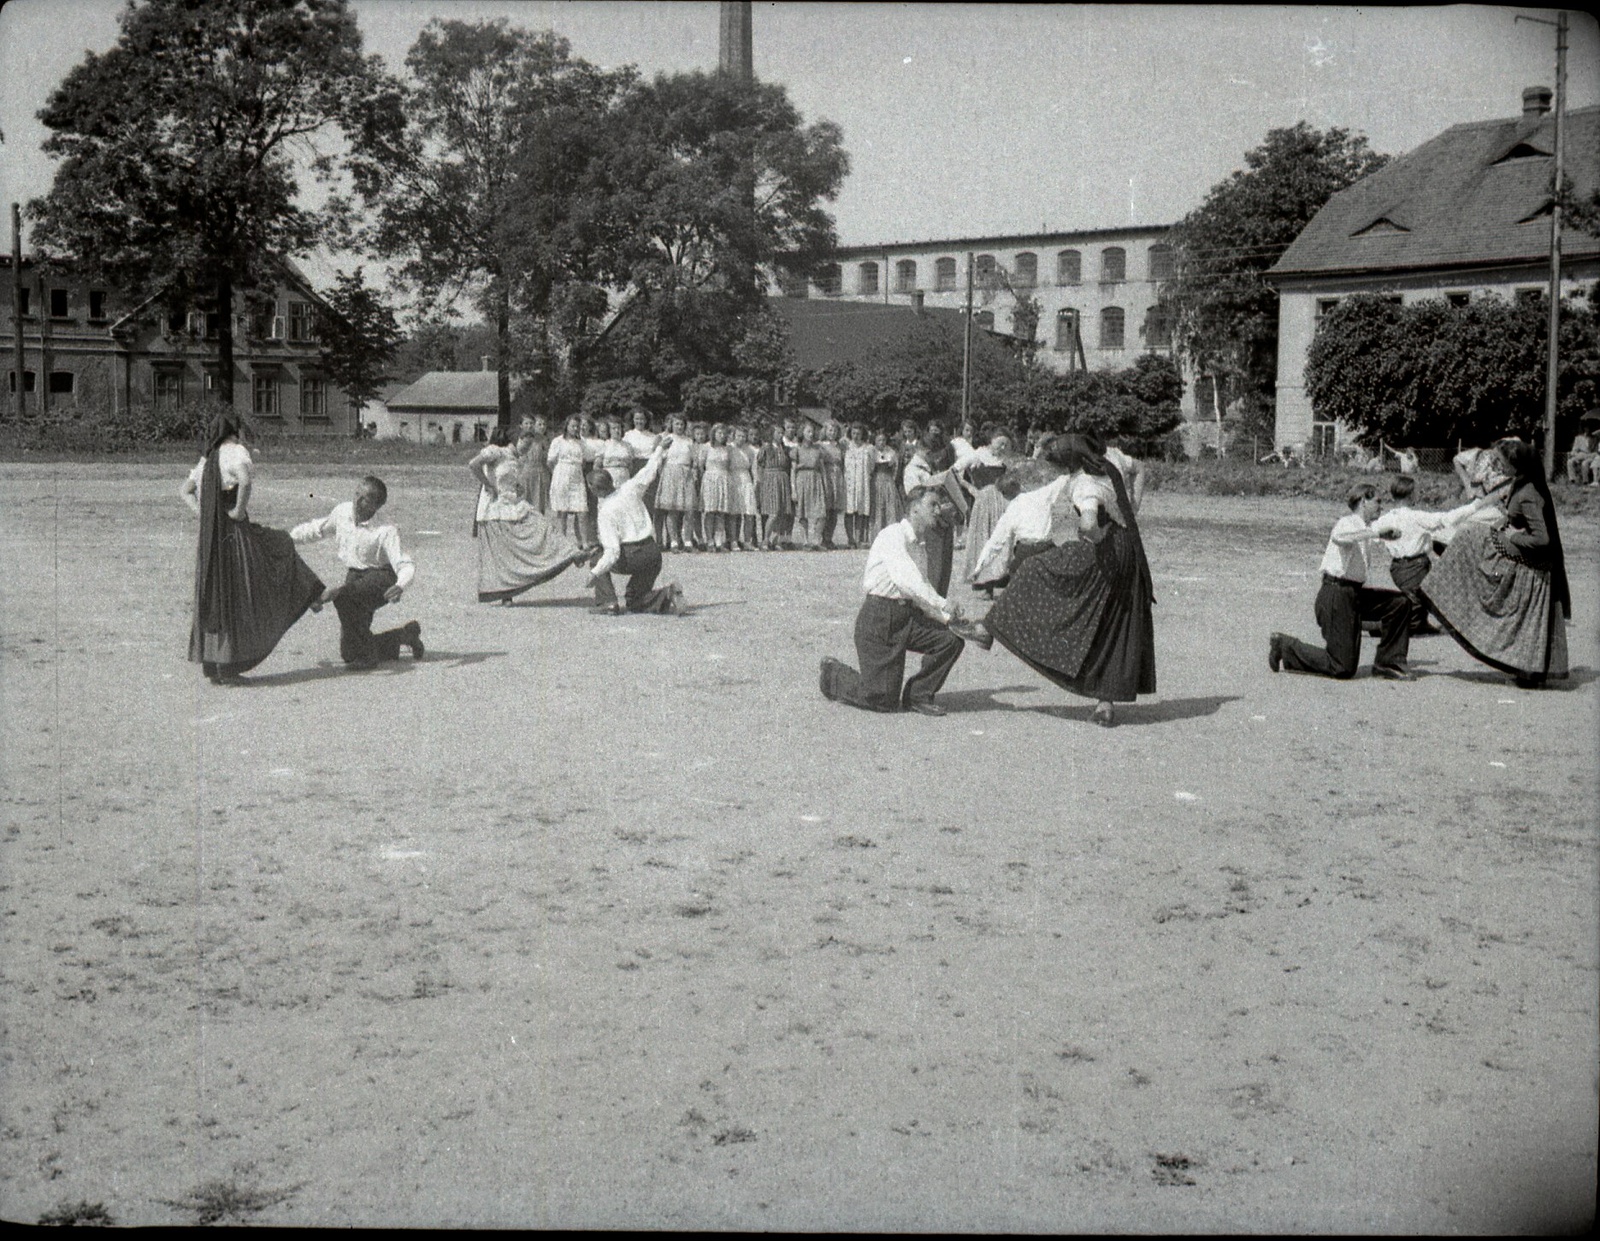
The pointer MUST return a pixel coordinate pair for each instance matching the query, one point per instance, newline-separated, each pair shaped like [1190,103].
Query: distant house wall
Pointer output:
[107,354]
[1303,301]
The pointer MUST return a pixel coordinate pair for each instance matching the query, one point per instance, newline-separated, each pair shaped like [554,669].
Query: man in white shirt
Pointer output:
[1024,529]
[628,542]
[1345,601]
[902,612]
[378,572]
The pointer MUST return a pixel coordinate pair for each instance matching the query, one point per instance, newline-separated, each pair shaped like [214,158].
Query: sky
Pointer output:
[967,120]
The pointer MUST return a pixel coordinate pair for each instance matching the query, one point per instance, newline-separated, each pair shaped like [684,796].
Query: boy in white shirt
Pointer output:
[378,573]
[1408,533]
[628,543]
[1345,601]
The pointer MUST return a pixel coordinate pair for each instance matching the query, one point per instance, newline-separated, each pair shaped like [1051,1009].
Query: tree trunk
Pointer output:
[502,324]
[225,337]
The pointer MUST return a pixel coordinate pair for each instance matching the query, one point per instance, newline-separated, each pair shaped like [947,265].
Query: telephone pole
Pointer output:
[1552,370]
[16,304]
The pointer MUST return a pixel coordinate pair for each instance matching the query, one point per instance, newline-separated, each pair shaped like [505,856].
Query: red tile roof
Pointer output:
[1476,195]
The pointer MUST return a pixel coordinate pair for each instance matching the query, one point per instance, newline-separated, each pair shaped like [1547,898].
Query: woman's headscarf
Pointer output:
[1523,461]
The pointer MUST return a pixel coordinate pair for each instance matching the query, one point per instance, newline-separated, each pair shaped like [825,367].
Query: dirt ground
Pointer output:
[596,922]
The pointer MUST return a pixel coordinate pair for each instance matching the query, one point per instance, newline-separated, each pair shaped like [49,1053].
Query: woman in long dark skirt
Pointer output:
[250,584]
[1080,615]
[1501,591]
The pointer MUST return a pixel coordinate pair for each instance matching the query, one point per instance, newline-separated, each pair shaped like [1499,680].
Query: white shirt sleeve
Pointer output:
[316,528]
[996,552]
[404,569]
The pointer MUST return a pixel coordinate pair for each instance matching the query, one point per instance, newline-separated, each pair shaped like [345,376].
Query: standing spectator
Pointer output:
[569,498]
[1580,460]
[857,486]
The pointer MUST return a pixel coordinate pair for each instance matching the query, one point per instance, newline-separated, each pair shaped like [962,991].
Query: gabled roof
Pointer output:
[823,330]
[458,392]
[1476,195]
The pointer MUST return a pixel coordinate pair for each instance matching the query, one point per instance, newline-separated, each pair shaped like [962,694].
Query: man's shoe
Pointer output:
[1393,672]
[413,638]
[829,681]
[1275,652]
[925,706]
[973,632]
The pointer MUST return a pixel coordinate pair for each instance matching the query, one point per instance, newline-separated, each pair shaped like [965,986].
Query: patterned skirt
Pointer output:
[888,505]
[716,492]
[675,489]
[514,556]
[987,506]
[772,493]
[1498,608]
[744,494]
[1080,616]
[265,588]
[810,499]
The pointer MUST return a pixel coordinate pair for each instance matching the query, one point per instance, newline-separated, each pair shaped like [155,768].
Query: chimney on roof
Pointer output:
[485,359]
[1536,101]
[916,301]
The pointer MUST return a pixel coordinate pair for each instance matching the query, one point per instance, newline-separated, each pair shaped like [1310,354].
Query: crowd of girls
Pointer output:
[722,487]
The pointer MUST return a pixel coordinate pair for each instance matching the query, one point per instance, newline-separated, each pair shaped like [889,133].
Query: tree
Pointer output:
[178,146]
[1225,314]
[715,182]
[490,193]
[1430,373]
[359,336]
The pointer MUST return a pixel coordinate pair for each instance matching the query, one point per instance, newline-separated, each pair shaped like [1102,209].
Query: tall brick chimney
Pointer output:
[1536,101]
[734,52]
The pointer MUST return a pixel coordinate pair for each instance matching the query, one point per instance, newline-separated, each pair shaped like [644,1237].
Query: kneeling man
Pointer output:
[902,612]
[628,543]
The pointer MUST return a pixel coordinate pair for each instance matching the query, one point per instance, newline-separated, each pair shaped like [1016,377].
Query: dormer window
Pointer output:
[1380,227]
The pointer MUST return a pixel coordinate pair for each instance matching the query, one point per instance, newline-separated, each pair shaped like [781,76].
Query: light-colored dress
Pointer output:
[494,457]
[716,483]
[616,458]
[742,469]
[517,547]
[567,458]
[675,489]
[641,444]
[858,480]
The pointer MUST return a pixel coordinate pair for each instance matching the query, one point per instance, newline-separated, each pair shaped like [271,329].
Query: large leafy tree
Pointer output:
[180,146]
[493,193]
[715,183]
[1224,313]
[1430,373]
[360,337]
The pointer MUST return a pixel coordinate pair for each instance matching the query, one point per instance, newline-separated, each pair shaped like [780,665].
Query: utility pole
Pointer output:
[19,356]
[966,349]
[1553,345]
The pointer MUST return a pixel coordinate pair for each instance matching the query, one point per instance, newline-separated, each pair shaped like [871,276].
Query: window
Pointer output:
[905,275]
[169,389]
[867,278]
[25,296]
[313,397]
[1069,267]
[1026,272]
[29,381]
[264,396]
[1113,265]
[299,321]
[61,383]
[213,325]
[175,322]
[1111,327]
[1324,305]
[97,306]
[830,280]
[1529,295]
[58,303]
[1457,300]
[1160,262]
[1158,328]
[983,271]
[944,276]
[1324,436]
[1067,329]
[985,320]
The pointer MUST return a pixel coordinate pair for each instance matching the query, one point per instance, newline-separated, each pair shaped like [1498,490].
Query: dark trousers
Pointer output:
[885,630]
[1341,607]
[1408,572]
[358,599]
[641,563]
[941,541]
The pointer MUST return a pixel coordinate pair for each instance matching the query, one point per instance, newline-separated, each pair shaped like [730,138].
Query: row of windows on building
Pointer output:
[1113,323]
[262,323]
[169,388]
[987,273]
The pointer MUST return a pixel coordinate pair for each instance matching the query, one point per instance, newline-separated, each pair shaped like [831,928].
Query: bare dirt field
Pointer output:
[597,922]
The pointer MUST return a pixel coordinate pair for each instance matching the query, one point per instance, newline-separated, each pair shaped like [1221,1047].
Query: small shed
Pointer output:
[446,407]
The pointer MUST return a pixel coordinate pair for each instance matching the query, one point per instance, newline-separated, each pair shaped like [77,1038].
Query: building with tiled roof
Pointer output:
[446,407]
[1465,214]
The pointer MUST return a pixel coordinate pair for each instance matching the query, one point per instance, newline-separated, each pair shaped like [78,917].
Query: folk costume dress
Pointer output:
[1502,592]
[742,469]
[250,585]
[716,484]
[675,484]
[810,495]
[518,548]
[493,456]
[984,471]
[1080,615]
